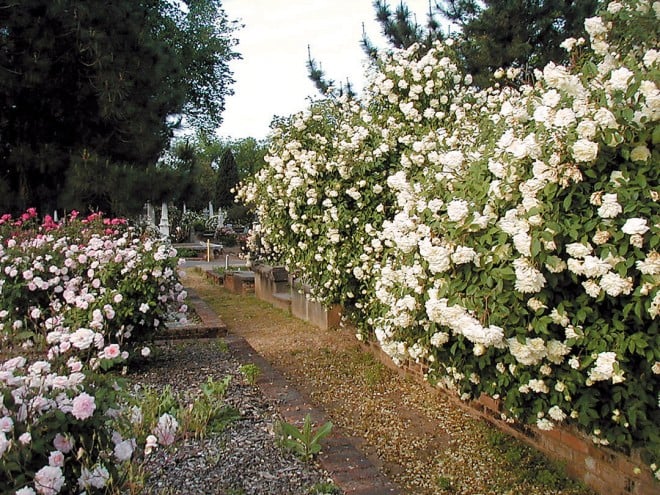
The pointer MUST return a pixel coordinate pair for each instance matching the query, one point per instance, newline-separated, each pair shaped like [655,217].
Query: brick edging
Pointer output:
[211,326]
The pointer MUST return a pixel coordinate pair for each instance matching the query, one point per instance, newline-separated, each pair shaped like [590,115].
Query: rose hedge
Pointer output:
[75,298]
[506,237]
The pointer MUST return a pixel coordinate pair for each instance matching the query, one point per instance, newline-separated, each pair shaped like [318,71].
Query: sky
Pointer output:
[271,78]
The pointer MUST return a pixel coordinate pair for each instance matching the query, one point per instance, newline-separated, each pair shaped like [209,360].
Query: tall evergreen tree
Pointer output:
[91,91]
[401,30]
[524,34]
[226,180]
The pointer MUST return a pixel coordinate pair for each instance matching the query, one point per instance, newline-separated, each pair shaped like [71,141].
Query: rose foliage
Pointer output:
[75,298]
[508,238]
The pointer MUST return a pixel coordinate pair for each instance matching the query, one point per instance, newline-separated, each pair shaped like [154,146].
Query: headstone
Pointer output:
[210,209]
[55,217]
[151,215]
[221,219]
[164,222]
[184,209]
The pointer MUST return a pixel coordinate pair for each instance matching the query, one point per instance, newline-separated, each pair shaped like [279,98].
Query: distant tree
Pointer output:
[249,154]
[91,91]
[524,34]
[226,180]
[401,30]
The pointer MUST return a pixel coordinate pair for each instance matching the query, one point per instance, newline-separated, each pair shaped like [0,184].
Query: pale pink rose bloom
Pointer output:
[82,338]
[151,443]
[124,450]
[13,363]
[56,459]
[6,424]
[74,364]
[146,352]
[62,443]
[49,480]
[96,478]
[83,406]
[99,340]
[26,490]
[111,351]
[166,429]
[75,379]
[25,438]
[4,443]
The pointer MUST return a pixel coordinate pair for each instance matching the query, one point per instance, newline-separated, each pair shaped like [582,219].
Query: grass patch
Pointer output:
[529,465]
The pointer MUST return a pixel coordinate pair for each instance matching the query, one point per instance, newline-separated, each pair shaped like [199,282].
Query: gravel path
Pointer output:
[418,438]
[244,459]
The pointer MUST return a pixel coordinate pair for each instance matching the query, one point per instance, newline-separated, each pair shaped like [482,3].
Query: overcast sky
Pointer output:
[271,78]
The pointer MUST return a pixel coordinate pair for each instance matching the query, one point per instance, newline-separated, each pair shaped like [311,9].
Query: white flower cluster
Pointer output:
[519,220]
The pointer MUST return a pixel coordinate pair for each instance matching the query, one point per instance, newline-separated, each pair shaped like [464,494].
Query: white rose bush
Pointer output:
[506,237]
[77,298]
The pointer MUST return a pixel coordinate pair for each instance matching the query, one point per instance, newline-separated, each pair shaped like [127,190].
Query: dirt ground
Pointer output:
[419,439]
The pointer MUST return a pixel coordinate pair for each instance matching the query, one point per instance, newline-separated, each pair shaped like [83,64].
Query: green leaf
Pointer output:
[656,135]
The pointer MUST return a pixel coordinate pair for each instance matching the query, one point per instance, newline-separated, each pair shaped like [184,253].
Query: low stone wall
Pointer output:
[276,286]
[303,307]
[240,282]
[604,470]
[270,280]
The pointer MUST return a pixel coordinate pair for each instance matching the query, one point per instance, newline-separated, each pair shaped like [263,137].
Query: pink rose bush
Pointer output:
[77,298]
[506,237]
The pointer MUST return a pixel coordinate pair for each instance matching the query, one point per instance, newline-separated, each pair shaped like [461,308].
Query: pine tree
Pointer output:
[226,180]
[401,30]
[524,34]
[91,91]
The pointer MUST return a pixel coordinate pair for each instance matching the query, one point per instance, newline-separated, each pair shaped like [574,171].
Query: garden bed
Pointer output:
[244,458]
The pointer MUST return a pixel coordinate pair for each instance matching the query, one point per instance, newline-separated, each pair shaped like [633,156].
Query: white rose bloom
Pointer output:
[457,210]
[578,250]
[564,118]
[568,44]
[595,26]
[606,119]
[551,98]
[544,424]
[604,367]
[651,57]
[620,79]
[463,254]
[528,279]
[541,114]
[585,150]
[523,243]
[650,265]
[610,208]
[82,338]
[439,338]
[591,288]
[635,226]
[614,7]
[615,285]
[556,413]
[586,129]
[640,154]
[438,257]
